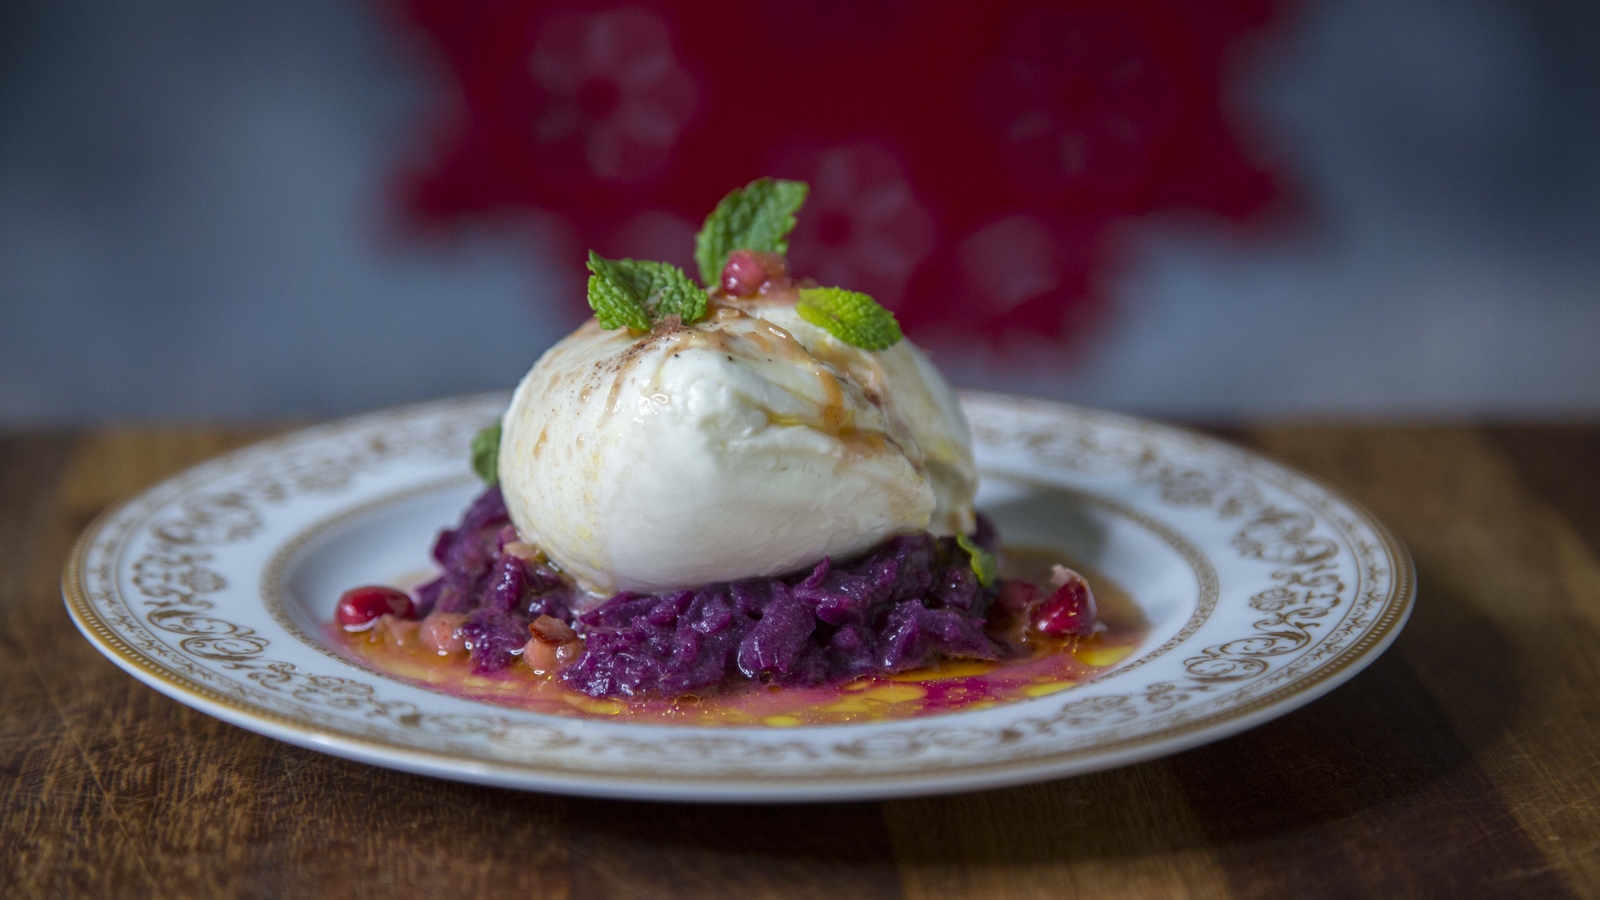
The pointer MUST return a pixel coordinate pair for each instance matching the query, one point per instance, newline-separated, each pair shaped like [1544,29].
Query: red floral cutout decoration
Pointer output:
[968,162]
[612,99]
[863,226]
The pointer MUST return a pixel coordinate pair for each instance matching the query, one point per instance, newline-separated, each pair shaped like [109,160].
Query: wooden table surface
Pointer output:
[1463,763]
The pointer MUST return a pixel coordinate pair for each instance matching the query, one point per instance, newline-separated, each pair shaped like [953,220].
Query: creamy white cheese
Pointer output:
[750,444]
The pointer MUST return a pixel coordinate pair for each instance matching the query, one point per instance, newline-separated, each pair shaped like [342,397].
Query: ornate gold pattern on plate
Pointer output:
[149,585]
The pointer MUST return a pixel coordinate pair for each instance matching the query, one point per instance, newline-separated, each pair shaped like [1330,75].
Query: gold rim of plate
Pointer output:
[1394,608]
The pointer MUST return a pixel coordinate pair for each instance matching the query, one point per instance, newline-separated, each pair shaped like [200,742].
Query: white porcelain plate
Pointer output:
[1264,590]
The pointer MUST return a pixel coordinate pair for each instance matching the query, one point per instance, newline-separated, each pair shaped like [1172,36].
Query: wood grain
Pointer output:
[1464,763]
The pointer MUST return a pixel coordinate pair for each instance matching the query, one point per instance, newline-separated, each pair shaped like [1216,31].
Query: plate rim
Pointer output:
[1395,610]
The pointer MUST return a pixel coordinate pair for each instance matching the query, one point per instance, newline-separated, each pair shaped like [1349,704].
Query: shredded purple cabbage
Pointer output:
[910,601]
[500,593]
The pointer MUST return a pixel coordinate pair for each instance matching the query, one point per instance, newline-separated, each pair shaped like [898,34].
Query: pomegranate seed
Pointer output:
[360,607]
[1019,597]
[777,272]
[1070,610]
[748,271]
[744,274]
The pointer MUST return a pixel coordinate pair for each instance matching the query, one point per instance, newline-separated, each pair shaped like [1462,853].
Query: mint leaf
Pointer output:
[634,293]
[612,297]
[486,454]
[984,565]
[758,216]
[850,316]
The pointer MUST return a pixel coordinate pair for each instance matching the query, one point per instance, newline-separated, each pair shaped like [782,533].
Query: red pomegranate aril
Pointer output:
[1069,611]
[360,607]
[744,274]
[751,272]
[1019,597]
[777,272]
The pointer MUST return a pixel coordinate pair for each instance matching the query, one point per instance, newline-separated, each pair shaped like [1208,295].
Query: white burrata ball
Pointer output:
[750,444]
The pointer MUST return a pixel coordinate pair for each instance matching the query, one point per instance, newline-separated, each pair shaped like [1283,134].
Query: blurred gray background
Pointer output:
[195,223]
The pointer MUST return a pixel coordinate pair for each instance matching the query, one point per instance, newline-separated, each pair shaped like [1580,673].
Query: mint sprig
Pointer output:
[486,454]
[635,293]
[758,216]
[850,316]
[984,564]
